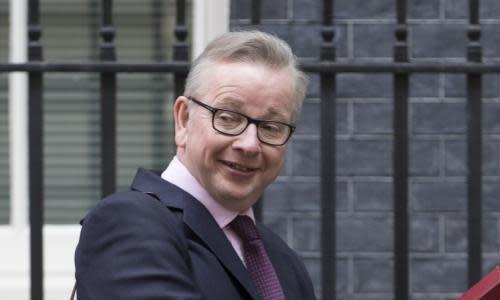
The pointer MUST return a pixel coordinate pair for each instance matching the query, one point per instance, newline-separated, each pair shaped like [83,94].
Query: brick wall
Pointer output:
[438,242]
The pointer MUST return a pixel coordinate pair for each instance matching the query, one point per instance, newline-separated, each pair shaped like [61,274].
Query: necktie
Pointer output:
[257,262]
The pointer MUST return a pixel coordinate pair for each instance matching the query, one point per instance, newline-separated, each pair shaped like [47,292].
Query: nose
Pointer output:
[247,141]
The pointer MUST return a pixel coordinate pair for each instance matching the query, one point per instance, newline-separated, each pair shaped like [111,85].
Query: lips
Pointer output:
[239,167]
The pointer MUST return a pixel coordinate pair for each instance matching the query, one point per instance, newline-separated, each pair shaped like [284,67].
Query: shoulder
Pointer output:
[126,219]
[126,238]
[124,204]
[132,213]
[126,199]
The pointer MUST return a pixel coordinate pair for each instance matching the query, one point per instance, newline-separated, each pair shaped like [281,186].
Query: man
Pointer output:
[184,233]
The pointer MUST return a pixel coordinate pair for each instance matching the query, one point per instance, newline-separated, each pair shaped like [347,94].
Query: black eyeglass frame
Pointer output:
[250,120]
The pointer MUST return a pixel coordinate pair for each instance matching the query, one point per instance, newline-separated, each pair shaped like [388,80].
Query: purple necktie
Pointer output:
[257,262]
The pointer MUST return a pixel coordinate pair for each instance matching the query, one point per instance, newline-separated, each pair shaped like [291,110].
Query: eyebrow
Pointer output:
[275,112]
[231,102]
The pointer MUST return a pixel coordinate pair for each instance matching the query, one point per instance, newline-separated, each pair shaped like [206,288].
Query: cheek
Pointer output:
[197,133]
[208,144]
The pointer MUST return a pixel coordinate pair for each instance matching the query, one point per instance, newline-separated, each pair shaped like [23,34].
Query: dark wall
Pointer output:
[438,241]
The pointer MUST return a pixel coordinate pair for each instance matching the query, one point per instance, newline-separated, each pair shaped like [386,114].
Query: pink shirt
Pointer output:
[177,174]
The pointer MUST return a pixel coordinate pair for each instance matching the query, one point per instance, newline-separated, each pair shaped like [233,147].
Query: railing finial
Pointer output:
[181,52]
[107,32]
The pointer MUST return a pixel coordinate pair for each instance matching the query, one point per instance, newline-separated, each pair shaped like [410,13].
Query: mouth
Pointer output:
[239,167]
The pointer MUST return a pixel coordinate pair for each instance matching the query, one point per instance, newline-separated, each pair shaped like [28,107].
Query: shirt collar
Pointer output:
[177,174]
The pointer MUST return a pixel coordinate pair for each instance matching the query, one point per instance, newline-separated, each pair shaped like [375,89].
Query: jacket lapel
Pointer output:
[202,223]
[281,265]
[199,220]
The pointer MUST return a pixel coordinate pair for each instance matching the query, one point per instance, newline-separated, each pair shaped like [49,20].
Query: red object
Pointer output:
[487,288]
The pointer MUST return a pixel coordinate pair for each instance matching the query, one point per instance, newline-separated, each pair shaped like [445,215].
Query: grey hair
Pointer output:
[254,47]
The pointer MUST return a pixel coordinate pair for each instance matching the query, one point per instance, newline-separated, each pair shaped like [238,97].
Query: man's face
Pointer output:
[235,170]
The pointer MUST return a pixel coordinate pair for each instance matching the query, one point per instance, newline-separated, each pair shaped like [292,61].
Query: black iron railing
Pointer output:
[328,68]
[107,53]
[35,131]
[108,69]
[400,158]
[474,147]
[328,122]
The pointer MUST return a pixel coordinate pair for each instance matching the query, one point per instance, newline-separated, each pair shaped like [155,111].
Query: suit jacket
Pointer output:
[166,245]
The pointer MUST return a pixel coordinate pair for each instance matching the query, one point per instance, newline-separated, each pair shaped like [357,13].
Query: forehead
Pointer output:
[251,88]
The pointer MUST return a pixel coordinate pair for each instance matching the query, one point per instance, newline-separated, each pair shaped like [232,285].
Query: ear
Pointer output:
[181,117]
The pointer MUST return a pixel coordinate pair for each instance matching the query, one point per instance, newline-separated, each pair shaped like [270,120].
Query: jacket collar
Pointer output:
[199,220]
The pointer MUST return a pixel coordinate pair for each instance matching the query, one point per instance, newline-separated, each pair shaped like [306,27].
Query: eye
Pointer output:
[228,121]
[228,117]
[272,128]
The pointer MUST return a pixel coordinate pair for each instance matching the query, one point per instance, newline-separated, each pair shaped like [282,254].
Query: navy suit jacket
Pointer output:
[166,245]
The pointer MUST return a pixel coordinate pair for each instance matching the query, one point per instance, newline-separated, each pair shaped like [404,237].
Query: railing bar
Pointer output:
[317,67]
[256,8]
[35,127]
[158,45]
[474,12]
[107,13]
[400,159]
[474,178]
[328,186]
[255,19]
[108,102]
[93,7]
[401,12]
[181,53]
[110,67]
[181,13]
[328,154]
[400,185]
[108,133]
[181,50]
[36,183]
[396,67]
[328,11]
[474,149]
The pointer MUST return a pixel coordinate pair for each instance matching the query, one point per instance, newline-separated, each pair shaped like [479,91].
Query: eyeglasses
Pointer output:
[232,123]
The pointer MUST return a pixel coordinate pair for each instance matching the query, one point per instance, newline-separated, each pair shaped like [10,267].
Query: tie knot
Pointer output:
[245,228]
